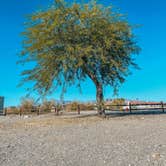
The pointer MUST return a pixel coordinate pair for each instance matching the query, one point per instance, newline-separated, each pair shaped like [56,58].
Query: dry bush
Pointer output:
[86,106]
[28,105]
[72,106]
[83,106]
[118,101]
[12,110]
[46,106]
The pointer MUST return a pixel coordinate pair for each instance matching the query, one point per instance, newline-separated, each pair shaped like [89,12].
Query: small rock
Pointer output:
[156,156]
[26,116]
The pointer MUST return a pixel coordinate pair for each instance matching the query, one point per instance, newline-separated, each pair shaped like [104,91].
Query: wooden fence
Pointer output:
[107,107]
[136,107]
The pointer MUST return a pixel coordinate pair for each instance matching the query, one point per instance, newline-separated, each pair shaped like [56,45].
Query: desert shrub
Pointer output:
[72,106]
[12,110]
[86,106]
[46,106]
[27,104]
[83,106]
[118,101]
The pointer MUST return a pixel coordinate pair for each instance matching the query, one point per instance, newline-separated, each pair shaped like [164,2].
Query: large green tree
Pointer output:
[69,43]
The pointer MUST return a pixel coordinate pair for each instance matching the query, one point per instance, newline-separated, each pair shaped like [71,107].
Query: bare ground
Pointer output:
[132,140]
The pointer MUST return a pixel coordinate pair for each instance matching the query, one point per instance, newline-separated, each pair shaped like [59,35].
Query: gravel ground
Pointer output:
[46,140]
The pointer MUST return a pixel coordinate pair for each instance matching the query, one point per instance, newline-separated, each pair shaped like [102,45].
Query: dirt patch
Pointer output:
[136,140]
[36,122]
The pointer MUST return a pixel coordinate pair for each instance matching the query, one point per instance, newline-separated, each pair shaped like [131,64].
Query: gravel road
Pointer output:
[46,140]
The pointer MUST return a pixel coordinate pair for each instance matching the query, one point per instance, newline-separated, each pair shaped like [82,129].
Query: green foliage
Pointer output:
[68,43]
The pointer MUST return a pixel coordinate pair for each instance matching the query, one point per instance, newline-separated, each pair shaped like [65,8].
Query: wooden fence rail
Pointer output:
[107,107]
[136,106]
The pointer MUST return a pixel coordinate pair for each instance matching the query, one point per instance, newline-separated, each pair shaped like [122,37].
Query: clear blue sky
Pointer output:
[149,83]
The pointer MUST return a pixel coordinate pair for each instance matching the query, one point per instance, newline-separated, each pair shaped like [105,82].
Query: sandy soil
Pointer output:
[132,140]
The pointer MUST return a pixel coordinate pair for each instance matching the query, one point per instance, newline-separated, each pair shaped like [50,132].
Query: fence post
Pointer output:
[130,107]
[56,110]
[78,109]
[20,111]
[162,104]
[38,110]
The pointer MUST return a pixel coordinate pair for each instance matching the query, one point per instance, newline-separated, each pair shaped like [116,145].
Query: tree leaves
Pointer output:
[72,42]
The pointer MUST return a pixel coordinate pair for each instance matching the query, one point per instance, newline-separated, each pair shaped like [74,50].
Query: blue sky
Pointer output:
[149,83]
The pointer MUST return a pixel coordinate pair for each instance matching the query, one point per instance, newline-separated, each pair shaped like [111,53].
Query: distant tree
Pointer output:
[69,43]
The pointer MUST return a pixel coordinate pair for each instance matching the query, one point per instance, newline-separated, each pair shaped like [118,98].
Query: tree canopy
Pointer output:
[71,42]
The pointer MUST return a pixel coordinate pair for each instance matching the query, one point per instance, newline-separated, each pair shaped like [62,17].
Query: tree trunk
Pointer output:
[99,98]
[99,91]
